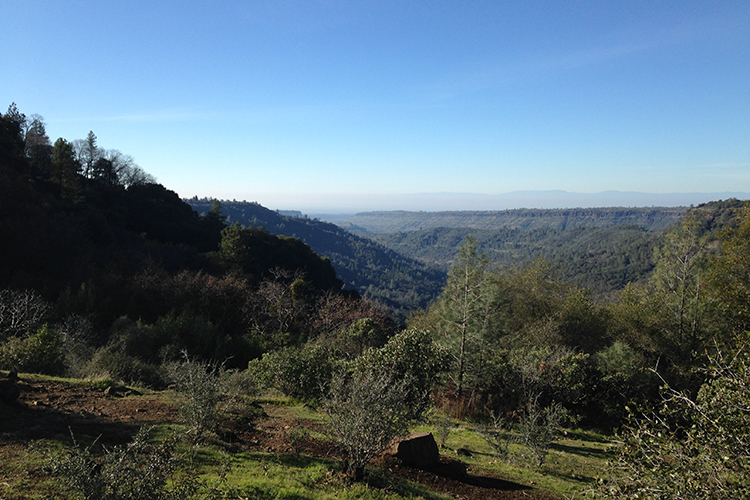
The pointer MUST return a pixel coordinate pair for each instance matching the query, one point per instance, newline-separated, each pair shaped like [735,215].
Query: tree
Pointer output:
[460,310]
[690,447]
[37,146]
[12,125]
[65,169]
[127,172]
[730,274]
[87,153]
[21,312]
[232,249]
[104,170]
[679,281]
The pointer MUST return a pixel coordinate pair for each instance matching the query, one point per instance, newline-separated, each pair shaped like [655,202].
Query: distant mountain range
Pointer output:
[349,204]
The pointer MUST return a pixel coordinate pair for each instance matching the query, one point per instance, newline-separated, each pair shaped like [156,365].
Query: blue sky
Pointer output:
[328,105]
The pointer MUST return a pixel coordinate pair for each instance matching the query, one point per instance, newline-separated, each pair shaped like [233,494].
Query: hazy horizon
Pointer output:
[339,204]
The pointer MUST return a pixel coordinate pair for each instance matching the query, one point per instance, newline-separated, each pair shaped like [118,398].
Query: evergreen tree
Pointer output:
[461,311]
[65,169]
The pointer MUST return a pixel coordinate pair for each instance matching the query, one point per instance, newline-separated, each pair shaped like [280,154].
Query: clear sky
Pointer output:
[298,104]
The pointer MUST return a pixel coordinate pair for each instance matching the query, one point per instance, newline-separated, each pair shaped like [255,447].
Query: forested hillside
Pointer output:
[593,254]
[121,271]
[376,272]
[650,219]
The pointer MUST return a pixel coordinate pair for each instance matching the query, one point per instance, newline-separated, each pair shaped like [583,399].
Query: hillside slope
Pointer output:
[373,270]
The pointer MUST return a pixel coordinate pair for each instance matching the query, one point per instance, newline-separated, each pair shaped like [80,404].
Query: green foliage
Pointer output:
[130,355]
[690,447]
[374,271]
[539,427]
[601,259]
[136,471]
[202,390]
[498,436]
[730,275]
[173,334]
[461,312]
[361,335]
[366,411]
[409,355]
[40,352]
[303,373]
[527,219]
[110,362]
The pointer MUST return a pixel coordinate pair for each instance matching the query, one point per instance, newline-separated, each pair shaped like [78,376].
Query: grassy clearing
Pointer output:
[570,469]
[268,476]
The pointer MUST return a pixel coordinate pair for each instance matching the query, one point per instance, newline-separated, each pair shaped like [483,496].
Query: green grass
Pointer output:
[262,475]
[570,468]
[572,464]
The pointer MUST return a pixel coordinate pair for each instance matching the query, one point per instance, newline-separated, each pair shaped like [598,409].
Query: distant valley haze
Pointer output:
[336,207]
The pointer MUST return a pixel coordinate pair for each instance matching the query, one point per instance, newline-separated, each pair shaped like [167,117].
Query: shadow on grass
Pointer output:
[569,477]
[580,450]
[302,461]
[585,436]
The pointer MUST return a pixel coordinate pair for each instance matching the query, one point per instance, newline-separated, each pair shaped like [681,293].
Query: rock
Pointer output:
[417,450]
[9,391]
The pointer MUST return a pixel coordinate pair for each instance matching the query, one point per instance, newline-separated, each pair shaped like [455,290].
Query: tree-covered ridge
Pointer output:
[650,219]
[601,259]
[130,274]
[376,272]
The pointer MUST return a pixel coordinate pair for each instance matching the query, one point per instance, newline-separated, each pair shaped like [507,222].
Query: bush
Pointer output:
[690,447]
[109,361]
[38,353]
[539,427]
[410,355]
[202,390]
[303,372]
[134,471]
[21,312]
[366,412]
[498,436]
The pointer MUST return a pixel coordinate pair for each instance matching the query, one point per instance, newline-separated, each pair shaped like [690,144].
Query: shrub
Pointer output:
[303,372]
[21,312]
[410,355]
[539,426]
[690,447]
[109,361]
[202,390]
[38,353]
[366,412]
[498,436]
[137,470]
